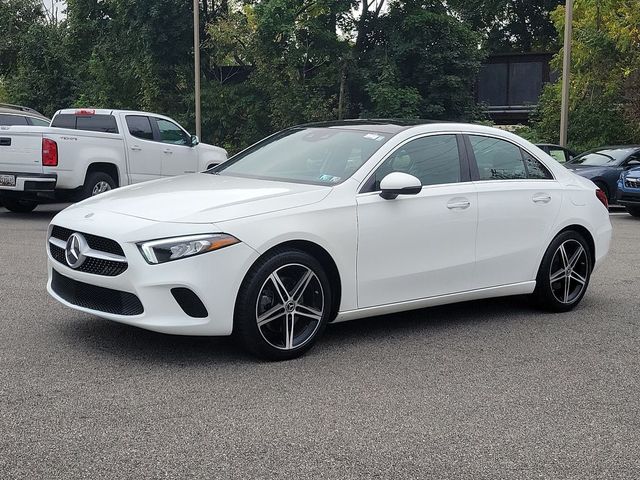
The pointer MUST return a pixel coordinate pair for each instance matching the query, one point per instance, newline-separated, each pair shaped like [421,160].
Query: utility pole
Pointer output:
[566,67]
[196,58]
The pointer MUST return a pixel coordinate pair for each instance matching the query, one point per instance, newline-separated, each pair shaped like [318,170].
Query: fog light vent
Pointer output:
[189,302]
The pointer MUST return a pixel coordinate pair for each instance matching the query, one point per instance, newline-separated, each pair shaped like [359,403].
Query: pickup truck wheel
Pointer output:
[19,206]
[635,211]
[97,183]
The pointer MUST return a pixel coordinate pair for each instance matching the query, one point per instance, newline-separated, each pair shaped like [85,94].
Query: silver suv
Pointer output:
[17,115]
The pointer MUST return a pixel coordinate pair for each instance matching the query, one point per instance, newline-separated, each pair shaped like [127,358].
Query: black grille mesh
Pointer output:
[96,266]
[95,298]
[97,243]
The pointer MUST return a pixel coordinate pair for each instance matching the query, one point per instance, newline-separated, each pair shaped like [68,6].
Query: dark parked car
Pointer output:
[603,166]
[560,154]
[629,191]
[17,115]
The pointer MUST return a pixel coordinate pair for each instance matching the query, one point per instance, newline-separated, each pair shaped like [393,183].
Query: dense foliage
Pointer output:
[268,64]
[604,107]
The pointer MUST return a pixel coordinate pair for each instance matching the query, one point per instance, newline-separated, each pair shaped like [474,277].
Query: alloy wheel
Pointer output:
[100,187]
[290,307]
[569,271]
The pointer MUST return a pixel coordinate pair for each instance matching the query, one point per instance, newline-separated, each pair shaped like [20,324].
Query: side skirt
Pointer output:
[521,288]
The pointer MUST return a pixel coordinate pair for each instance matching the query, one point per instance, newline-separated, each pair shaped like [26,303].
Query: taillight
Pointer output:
[602,197]
[49,153]
[85,112]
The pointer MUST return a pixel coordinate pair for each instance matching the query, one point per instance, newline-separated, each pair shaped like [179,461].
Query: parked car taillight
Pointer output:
[602,197]
[49,153]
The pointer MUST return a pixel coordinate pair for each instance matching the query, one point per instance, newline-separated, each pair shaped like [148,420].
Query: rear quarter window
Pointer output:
[13,120]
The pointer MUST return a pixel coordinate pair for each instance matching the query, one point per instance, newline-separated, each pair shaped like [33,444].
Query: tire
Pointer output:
[554,295]
[96,183]
[18,206]
[270,286]
[633,210]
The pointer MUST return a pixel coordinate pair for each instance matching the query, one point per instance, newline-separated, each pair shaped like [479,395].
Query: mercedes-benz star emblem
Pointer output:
[74,251]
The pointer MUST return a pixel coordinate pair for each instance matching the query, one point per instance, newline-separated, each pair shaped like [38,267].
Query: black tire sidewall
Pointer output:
[245,327]
[18,206]
[543,293]
[93,179]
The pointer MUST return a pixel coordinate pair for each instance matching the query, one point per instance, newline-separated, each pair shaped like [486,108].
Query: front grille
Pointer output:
[95,266]
[95,298]
[632,182]
[97,243]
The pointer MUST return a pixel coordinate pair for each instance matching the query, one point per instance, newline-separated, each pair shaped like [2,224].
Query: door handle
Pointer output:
[136,148]
[168,151]
[541,198]
[458,204]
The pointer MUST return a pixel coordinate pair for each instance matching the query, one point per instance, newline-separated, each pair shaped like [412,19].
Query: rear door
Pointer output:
[518,203]
[178,156]
[144,151]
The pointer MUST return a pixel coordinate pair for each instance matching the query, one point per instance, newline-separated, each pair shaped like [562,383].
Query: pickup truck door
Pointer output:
[178,156]
[144,152]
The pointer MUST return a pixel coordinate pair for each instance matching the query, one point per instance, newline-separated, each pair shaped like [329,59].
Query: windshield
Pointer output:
[320,155]
[609,157]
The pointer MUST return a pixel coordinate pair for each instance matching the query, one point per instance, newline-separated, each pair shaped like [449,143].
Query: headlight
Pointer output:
[168,249]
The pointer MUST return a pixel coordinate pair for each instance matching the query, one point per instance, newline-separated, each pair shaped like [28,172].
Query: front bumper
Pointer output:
[215,277]
[628,196]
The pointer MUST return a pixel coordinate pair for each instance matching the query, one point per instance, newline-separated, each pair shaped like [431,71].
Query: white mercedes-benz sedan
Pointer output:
[330,222]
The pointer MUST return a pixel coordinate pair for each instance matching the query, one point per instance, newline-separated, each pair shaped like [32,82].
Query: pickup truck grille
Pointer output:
[632,182]
[105,256]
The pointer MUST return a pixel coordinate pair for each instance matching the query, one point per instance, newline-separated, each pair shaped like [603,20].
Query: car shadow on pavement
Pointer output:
[136,344]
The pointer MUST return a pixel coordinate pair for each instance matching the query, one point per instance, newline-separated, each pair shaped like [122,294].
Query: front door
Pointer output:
[178,156]
[418,246]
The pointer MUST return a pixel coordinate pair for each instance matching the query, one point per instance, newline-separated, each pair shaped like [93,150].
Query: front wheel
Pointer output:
[18,206]
[633,210]
[564,273]
[283,305]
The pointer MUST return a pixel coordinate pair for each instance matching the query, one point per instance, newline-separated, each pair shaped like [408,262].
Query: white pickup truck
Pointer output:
[86,152]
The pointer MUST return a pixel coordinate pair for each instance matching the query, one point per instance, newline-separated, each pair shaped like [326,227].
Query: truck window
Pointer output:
[91,123]
[64,120]
[172,133]
[139,126]
[13,120]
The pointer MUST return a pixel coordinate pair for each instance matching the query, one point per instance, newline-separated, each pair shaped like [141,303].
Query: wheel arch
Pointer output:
[582,230]
[104,167]
[325,259]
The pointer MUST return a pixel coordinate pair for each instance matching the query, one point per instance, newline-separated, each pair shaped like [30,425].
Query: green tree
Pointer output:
[603,106]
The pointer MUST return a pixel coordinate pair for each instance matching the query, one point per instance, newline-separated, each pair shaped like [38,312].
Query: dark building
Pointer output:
[510,85]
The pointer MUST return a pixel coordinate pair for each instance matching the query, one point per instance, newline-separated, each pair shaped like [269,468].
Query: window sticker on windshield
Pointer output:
[374,136]
[329,178]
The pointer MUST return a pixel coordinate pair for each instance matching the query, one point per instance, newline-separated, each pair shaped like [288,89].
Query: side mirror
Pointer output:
[194,140]
[399,183]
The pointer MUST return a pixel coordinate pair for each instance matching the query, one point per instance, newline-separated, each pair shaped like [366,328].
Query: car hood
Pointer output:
[205,198]
[586,170]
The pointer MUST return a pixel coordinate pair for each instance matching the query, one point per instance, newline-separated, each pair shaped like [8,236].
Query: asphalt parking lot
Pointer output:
[483,390]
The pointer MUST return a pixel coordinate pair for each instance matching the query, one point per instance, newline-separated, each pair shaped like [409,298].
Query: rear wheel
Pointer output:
[18,206]
[633,210]
[564,273]
[97,183]
[283,305]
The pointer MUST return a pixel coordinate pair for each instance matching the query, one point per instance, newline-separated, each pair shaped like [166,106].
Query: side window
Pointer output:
[171,133]
[13,120]
[433,159]
[535,169]
[139,126]
[497,159]
[39,122]
[558,155]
